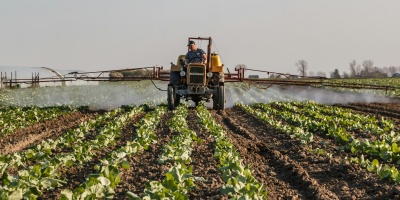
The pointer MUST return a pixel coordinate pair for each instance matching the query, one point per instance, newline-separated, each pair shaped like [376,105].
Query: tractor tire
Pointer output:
[171,97]
[177,100]
[215,101]
[174,78]
[221,97]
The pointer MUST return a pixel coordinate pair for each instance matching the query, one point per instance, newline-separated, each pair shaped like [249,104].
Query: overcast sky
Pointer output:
[268,35]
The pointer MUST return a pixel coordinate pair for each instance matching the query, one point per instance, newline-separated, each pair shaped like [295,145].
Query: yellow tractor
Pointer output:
[197,81]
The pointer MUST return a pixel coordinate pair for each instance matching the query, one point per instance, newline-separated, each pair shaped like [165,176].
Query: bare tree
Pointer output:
[322,74]
[335,74]
[302,67]
[358,70]
[353,71]
[368,66]
[392,70]
[385,70]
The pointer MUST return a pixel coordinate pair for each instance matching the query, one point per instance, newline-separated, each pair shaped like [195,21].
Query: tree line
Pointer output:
[364,70]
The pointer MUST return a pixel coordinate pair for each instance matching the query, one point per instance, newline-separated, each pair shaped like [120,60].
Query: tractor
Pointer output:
[197,81]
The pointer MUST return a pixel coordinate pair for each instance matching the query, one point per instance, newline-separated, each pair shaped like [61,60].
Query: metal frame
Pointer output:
[156,73]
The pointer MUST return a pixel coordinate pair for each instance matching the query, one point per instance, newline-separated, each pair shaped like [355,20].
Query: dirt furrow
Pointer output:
[283,177]
[49,129]
[77,174]
[204,164]
[346,181]
[374,111]
[145,166]
[389,107]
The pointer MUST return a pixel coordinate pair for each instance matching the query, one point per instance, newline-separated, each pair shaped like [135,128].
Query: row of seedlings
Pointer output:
[13,118]
[103,182]
[31,182]
[178,181]
[386,148]
[304,136]
[374,149]
[337,116]
[45,149]
[338,127]
[240,183]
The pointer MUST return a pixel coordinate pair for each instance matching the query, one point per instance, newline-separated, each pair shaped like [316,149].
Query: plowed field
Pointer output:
[286,168]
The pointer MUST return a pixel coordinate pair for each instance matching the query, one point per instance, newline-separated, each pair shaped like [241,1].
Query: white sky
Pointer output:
[269,35]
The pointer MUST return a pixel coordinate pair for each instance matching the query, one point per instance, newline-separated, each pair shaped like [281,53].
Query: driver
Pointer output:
[195,54]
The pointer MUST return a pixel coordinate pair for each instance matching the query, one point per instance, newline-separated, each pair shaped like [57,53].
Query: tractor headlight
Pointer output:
[183,73]
[209,74]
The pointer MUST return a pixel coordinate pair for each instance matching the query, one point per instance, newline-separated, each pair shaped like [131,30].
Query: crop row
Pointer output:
[102,183]
[376,149]
[340,128]
[338,116]
[178,180]
[240,183]
[45,149]
[28,183]
[12,118]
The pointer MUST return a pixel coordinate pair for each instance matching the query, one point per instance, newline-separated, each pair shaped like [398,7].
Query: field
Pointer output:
[280,143]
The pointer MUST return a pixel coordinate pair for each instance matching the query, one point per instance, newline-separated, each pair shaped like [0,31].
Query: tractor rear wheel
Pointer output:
[221,97]
[171,97]
[215,101]
[177,100]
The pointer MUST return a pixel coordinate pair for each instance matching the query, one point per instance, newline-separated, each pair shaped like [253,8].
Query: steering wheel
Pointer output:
[190,60]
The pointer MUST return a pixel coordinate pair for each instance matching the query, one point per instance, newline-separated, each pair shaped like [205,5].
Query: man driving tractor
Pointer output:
[195,54]
[198,76]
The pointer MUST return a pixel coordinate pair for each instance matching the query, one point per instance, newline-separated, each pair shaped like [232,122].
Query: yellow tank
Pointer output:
[177,67]
[179,59]
[216,65]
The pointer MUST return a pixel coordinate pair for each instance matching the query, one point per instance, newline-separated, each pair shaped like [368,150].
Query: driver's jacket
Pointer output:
[195,56]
